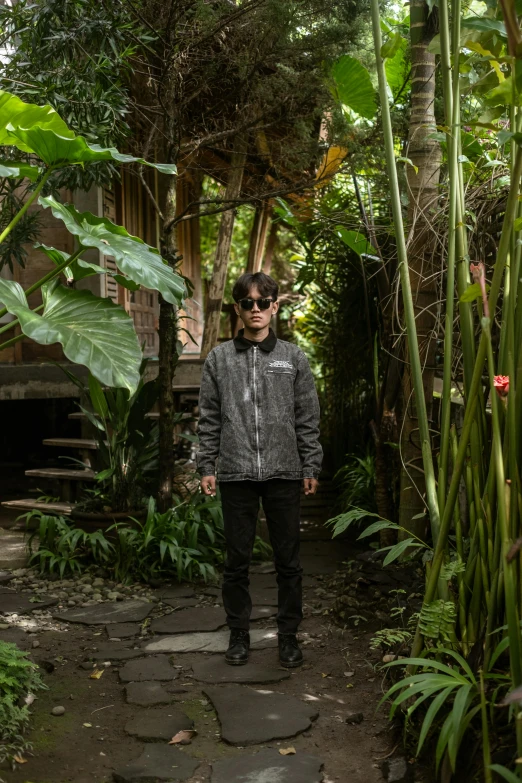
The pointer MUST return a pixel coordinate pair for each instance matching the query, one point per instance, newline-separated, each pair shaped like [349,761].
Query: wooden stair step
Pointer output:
[64,474]
[71,443]
[29,504]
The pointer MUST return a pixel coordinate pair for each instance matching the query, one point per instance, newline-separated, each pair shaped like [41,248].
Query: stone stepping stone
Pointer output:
[249,717]
[181,603]
[213,592]
[263,568]
[209,642]
[146,694]
[268,766]
[115,652]
[177,591]
[16,603]
[158,724]
[122,630]
[190,620]
[111,612]
[157,763]
[215,670]
[263,596]
[157,667]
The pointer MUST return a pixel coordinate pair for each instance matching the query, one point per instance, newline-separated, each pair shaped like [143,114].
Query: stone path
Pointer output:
[134,673]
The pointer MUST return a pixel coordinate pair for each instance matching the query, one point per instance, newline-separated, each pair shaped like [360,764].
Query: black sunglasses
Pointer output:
[263,304]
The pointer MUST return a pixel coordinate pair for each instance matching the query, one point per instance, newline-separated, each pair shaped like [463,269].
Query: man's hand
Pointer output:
[208,485]
[310,486]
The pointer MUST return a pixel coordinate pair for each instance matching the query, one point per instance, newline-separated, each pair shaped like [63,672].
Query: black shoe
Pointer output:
[239,645]
[290,654]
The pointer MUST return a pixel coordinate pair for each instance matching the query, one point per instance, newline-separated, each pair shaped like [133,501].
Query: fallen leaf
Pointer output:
[350,685]
[324,675]
[97,673]
[349,674]
[88,725]
[287,751]
[20,760]
[183,737]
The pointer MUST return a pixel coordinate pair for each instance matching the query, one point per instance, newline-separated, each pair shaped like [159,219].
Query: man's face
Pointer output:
[256,319]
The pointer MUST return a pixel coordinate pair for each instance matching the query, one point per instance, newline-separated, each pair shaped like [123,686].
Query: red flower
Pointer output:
[501,384]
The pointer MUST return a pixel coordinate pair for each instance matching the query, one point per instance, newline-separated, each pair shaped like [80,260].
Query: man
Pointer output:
[259,421]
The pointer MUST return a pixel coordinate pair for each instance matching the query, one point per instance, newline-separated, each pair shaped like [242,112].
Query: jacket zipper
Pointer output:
[255,416]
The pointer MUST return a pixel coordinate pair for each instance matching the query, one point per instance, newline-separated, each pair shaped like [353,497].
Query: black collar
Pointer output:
[267,345]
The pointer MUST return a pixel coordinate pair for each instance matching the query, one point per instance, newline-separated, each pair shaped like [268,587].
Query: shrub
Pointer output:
[18,677]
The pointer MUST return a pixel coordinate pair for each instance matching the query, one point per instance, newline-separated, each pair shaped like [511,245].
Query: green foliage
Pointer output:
[140,262]
[77,56]
[437,620]
[92,330]
[343,521]
[353,87]
[77,319]
[127,439]
[18,677]
[451,688]
[62,548]
[355,482]
[186,541]
[390,638]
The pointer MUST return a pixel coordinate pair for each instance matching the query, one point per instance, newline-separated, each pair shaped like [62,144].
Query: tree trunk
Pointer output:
[270,248]
[424,153]
[219,273]
[168,359]
[258,237]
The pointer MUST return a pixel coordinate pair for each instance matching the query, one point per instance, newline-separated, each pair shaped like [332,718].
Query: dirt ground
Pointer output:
[340,676]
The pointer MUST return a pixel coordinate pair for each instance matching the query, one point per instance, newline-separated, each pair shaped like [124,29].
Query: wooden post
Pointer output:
[258,237]
[219,274]
[270,248]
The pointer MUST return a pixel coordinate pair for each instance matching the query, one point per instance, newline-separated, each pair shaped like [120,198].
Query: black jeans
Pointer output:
[280,499]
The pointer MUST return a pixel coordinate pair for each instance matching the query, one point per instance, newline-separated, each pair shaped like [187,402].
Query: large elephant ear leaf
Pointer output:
[352,86]
[41,130]
[137,260]
[92,331]
[12,295]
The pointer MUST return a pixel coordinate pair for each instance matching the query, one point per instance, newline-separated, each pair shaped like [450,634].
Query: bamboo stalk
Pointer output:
[409,313]
[438,556]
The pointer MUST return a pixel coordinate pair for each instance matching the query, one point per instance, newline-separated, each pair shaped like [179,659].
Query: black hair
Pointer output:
[265,284]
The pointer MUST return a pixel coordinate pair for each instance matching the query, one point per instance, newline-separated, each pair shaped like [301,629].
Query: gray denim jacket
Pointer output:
[258,413]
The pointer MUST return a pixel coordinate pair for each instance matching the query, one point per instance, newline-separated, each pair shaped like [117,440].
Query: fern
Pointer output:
[18,677]
[452,568]
[437,620]
[387,638]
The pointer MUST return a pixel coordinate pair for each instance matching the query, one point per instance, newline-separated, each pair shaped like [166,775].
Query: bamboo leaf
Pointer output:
[505,773]
[356,241]
[397,550]
[431,714]
[375,527]
[471,293]
[459,708]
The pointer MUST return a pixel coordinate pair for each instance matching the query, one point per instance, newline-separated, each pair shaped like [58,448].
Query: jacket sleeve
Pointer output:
[209,425]
[307,420]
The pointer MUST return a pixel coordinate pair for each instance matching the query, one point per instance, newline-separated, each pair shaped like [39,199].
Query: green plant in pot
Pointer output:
[126,459]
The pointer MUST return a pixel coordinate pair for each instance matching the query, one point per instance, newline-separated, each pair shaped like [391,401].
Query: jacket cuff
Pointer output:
[311,474]
[206,470]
